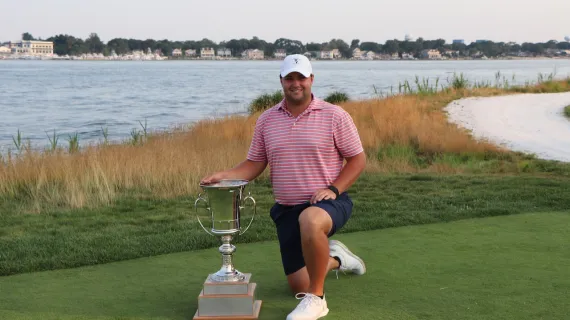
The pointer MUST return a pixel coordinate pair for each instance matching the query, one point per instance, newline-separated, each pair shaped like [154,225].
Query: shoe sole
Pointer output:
[340,244]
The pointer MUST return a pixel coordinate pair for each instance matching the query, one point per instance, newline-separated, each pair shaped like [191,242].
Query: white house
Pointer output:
[224,53]
[253,54]
[280,54]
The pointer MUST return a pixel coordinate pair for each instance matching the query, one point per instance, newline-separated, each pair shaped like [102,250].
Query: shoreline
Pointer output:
[529,123]
[314,60]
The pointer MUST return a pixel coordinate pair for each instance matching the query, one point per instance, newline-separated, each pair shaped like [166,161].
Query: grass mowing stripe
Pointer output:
[509,267]
[140,226]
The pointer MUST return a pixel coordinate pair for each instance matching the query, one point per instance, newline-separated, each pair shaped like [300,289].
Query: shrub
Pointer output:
[337,97]
[265,101]
[567,111]
[459,82]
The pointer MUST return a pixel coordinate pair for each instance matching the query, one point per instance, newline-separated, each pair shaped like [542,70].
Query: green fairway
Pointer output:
[508,267]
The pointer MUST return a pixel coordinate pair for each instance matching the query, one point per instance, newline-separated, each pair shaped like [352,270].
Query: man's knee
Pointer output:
[314,219]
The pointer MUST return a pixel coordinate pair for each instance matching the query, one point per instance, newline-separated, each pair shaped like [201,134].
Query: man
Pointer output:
[305,140]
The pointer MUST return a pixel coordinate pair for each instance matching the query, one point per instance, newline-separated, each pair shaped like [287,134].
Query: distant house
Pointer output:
[357,53]
[369,55]
[176,53]
[31,47]
[330,54]
[325,54]
[280,54]
[458,41]
[253,54]
[336,54]
[451,53]
[430,54]
[207,53]
[5,50]
[224,53]
[190,53]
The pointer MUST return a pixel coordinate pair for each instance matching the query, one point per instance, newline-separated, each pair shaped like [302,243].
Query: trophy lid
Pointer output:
[227,183]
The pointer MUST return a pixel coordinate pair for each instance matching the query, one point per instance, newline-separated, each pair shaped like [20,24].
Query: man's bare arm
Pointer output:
[247,170]
[350,172]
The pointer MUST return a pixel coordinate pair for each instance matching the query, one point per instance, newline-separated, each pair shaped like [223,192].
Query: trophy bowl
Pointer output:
[224,203]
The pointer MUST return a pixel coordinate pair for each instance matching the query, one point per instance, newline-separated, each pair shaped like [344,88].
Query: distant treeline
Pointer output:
[69,45]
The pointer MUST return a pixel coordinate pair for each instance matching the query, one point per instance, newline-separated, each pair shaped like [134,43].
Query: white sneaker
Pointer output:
[348,260]
[311,307]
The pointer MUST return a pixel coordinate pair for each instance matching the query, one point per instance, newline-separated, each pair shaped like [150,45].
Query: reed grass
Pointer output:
[337,97]
[400,133]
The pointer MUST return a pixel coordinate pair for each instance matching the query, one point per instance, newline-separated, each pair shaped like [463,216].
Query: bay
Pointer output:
[83,97]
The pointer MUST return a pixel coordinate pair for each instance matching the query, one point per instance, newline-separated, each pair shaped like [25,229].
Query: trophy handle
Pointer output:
[198,217]
[249,197]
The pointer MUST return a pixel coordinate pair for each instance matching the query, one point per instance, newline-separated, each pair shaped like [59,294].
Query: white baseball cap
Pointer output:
[296,63]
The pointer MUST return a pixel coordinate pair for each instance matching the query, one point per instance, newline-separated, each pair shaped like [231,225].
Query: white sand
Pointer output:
[530,123]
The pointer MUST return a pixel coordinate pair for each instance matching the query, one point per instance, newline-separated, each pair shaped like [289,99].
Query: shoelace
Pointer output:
[336,271]
[306,299]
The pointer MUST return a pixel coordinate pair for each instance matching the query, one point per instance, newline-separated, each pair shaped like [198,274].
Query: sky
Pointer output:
[307,20]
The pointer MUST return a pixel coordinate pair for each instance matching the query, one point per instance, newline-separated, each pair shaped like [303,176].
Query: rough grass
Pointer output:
[135,226]
[265,101]
[401,133]
[337,97]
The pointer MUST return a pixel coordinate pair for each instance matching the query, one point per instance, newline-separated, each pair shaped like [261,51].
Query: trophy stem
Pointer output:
[228,271]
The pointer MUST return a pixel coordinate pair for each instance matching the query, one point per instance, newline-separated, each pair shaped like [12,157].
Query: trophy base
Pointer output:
[254,316]
[228,300]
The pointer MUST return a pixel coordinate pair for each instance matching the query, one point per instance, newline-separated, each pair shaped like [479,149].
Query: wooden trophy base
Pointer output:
[228,301]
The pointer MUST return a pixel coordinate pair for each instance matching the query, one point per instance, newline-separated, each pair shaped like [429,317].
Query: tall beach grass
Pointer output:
[405,132]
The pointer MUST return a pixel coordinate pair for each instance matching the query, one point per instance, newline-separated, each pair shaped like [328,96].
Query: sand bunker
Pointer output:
[530,123]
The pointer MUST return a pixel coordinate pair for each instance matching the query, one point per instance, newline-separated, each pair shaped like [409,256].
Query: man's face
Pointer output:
[296,87]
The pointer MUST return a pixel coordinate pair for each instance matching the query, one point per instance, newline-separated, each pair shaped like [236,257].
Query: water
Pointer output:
[38,97]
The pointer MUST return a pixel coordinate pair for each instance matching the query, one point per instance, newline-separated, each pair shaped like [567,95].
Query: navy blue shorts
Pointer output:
[286,219]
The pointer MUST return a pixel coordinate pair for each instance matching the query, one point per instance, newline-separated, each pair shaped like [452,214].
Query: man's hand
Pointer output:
[213,178]
[322,194]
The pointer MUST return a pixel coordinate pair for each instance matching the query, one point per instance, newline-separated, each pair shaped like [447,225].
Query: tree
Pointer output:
[119,45]
[392,46]
[354,44]
[290,46]
[94,44]
[370,46]
[27,36]
[342,47]
[313,46]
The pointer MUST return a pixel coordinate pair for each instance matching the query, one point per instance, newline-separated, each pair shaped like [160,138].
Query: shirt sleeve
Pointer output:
[257,148]
[346,136]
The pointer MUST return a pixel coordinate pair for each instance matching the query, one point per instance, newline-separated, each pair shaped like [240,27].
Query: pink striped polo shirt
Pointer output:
[305,153]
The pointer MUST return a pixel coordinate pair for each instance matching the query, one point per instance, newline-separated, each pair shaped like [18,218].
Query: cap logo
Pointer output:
[296,61]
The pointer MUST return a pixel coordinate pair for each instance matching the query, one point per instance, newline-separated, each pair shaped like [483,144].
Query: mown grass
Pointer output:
[136,226]
[400,133]
[511,267]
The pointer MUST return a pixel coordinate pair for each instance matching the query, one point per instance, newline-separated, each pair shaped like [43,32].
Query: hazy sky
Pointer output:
[306,20]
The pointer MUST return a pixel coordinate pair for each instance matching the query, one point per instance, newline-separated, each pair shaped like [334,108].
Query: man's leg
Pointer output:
[299,281]
[315,224]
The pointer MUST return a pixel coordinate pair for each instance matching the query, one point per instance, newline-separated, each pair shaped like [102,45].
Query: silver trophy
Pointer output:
[227,293]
